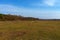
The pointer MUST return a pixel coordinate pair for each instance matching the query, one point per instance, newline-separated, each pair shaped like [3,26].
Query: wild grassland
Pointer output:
[29,30]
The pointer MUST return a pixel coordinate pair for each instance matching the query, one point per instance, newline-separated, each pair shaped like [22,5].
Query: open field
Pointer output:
[29,30]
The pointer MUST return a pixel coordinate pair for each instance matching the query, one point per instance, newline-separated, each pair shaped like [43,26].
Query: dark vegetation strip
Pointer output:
[5,17]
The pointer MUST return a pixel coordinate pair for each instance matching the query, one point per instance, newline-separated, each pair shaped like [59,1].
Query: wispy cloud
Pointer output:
[50,2]
[18,10]
[46,3]
[28,12]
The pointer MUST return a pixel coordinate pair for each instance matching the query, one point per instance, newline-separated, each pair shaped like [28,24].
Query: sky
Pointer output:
[43,9]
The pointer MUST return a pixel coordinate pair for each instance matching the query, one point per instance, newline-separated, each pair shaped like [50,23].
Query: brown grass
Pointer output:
[29,30]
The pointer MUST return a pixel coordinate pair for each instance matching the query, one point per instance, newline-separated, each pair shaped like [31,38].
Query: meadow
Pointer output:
[29,30]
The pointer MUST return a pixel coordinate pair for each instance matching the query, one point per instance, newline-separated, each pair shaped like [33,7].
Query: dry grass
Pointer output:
[29,30]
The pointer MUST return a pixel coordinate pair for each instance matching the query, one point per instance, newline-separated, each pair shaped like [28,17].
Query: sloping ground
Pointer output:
[8,17]
[29,30]
[5,17]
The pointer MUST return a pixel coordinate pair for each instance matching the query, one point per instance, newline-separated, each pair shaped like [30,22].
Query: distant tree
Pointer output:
[1,16]
[8,17]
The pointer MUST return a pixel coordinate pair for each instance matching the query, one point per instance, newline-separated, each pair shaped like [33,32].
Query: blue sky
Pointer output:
[45,9]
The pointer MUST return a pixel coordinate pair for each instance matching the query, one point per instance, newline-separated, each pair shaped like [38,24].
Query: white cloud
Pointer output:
[46,3]
[50,2]
[17,10]
[28,12]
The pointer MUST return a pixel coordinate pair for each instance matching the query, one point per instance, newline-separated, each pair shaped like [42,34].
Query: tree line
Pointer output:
[8,17]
